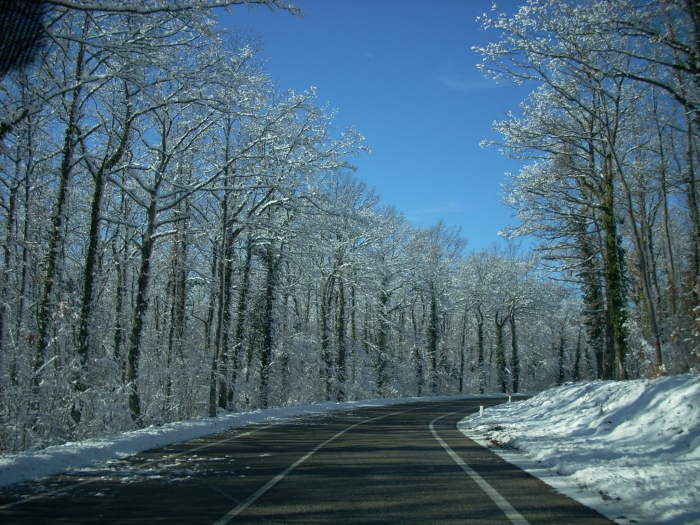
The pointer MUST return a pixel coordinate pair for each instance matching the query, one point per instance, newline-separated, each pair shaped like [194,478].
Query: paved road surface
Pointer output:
[400,464]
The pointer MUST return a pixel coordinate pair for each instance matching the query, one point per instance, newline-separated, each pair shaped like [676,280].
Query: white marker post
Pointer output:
[510,394]
[481,409]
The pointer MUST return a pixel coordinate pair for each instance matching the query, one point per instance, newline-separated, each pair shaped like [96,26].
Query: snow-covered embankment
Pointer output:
[629,449]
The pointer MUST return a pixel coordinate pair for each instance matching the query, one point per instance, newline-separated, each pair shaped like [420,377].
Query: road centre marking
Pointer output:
[262,490]
[513,515]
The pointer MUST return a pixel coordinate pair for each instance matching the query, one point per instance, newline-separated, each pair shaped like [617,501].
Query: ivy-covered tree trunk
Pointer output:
[214,349]
[576,372]
[178,310]
[241,316]
[561,376]
[692,197]
[594,311]
[90,274]
[267,328]
[644,275]
[59,216]
[616,334]
[141,308]
[224,320]
[228,365]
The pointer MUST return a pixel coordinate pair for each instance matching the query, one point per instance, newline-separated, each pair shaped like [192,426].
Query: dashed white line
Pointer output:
[262,490]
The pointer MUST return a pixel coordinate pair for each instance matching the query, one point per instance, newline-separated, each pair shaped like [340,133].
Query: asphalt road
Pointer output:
[401,464]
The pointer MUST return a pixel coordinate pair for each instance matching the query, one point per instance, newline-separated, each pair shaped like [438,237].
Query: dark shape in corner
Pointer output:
[21,32]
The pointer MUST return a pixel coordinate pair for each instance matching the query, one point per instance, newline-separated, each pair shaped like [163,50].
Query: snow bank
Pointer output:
[15,468]
[631,450]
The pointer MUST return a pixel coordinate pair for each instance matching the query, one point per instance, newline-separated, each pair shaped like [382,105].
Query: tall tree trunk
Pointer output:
[271,262]
[229,234]
[213,375]
[598,265]
[211,304]
[24,284]
[576,376]
[670,260]
[59,217]
[620,372]
[140,309]
[463,348]
[480,346]
[89,276]
[382,339]
[560,358]
[224,323]
[119,315]
[241,316]
[417,357]
[82,380]
[433,334]
[514,354]
[342,374]
[353,334]
[692,196]
[501,351]
[178,307]
[327,366]
[7,261]
[616,336]
[648,245]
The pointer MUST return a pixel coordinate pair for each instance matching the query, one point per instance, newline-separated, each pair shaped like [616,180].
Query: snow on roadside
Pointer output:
[16,468]
[631,450]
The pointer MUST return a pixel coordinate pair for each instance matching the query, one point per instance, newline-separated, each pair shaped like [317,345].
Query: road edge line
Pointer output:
[513,515]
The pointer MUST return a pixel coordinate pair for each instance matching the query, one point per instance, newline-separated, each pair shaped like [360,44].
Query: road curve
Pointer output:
[396,464]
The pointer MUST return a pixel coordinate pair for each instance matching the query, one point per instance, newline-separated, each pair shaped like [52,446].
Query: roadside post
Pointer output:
[481,409]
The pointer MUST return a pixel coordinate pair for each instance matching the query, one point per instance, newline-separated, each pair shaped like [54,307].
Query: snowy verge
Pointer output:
[16,468]
[630,450]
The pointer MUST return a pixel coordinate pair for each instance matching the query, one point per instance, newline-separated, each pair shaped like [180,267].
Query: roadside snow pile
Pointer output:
[631,450]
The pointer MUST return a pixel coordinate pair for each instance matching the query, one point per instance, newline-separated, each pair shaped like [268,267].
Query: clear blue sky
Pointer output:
[403,74]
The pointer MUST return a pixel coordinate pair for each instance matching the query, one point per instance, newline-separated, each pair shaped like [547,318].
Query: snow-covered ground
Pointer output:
[631,450]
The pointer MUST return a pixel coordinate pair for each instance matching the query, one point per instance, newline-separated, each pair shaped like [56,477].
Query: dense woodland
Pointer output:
[181,237]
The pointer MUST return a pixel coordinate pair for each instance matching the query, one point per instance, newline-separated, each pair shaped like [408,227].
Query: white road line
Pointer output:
[143,464]
[513,515]
[262,490]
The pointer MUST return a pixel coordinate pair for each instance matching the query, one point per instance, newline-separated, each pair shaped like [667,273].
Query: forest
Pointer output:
[182,238]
